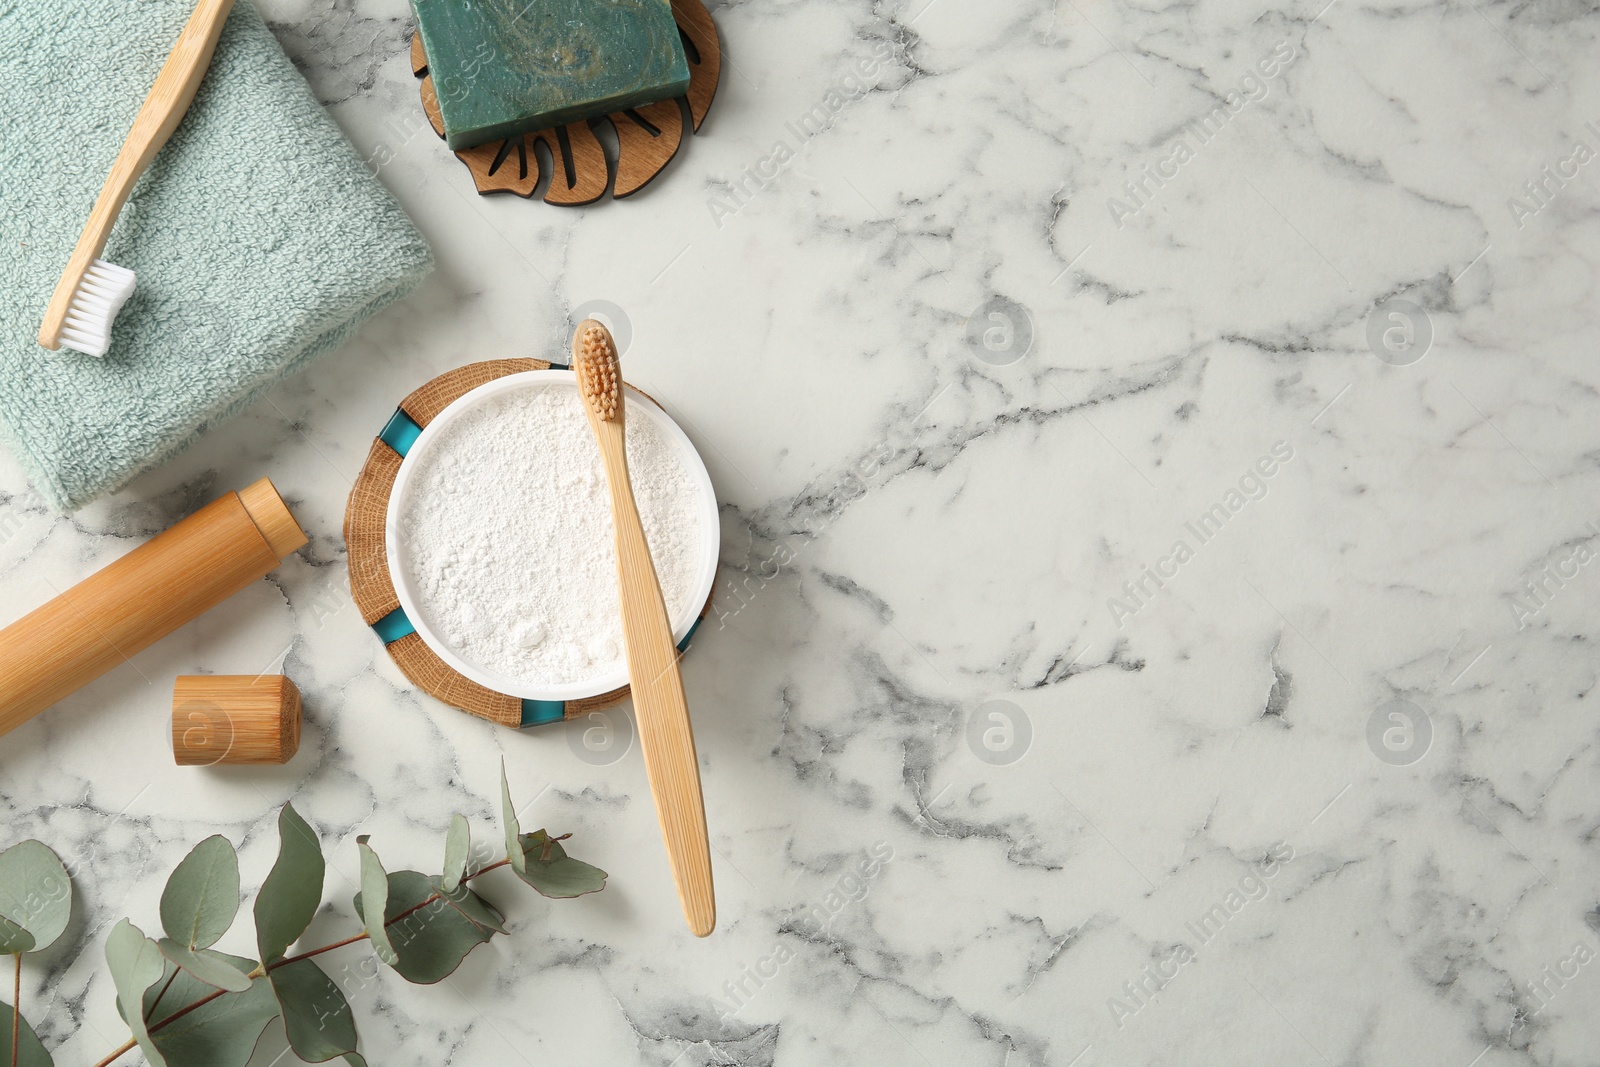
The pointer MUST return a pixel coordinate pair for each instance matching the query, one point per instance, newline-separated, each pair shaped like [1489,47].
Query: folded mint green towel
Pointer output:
[260,238]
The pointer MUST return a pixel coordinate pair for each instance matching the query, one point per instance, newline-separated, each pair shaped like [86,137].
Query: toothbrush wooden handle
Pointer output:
[665,735]
[163,109]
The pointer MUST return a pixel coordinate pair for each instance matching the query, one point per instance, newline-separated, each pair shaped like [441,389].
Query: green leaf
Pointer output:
[508,816]
[202,896]
[162,1000]
[552,872]
[14,940]
[430,938]
[220,1033]
[316,1016]
[136,964]
[375,893]
[30,1050]
[473,907]
[35,892]
[290,896]
[212,968]
[457,844]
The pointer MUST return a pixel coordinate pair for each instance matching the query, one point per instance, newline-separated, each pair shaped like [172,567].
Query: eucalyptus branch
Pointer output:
[259,971]
[202,900]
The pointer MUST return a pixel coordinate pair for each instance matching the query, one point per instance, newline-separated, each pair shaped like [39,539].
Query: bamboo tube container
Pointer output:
[234,718]
[128,605]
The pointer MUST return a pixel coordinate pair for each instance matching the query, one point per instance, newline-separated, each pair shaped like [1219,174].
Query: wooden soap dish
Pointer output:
[373,590]
[647,138]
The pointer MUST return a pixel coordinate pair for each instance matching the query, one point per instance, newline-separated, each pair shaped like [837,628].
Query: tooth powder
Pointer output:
[509,536]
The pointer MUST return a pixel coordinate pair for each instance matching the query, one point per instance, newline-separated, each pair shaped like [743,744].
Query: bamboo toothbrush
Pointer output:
[92,291]
[658,701]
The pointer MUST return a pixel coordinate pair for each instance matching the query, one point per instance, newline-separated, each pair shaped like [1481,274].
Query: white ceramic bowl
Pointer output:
[639,406]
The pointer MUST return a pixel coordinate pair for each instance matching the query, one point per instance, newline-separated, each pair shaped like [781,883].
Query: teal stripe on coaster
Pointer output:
[683,646]
[560,366]
[401,432]
[393,626]
[539,712]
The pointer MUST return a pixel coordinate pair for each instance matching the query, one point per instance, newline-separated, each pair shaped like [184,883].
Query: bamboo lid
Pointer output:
[234,718]
[272,517]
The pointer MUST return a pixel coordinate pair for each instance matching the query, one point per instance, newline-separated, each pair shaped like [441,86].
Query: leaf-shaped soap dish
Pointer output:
[647,137]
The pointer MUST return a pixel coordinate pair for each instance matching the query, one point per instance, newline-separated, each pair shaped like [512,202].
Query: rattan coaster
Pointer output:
[648,138]
[373,589]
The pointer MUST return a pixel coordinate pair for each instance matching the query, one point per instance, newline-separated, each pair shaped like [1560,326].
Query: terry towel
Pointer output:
[260,237]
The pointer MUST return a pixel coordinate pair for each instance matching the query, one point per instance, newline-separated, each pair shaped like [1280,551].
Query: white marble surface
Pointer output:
[918,532]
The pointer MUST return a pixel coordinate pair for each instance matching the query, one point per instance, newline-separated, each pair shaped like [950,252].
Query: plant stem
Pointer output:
[263,969]
[156,1003]
[117,1054]
[16,1011]
[325,948]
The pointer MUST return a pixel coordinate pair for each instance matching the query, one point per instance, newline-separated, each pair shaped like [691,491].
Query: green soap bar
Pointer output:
[503,67]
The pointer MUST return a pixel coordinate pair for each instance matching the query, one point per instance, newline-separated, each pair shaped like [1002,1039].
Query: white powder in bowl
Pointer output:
[508,525]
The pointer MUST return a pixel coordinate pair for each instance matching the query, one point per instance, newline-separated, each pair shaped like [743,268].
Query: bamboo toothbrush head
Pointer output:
[594,360]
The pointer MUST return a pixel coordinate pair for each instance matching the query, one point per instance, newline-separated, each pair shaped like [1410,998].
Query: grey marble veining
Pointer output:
[1191,665]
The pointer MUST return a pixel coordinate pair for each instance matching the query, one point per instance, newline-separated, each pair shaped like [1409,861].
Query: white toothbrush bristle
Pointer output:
[95,302]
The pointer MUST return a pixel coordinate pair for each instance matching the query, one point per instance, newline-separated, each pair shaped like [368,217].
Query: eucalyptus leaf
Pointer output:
[14,940]
[316,1016]
[223,1032]
[457,846]
[473,907]
[136,964]
[211,968]
[30,1050]
[35,892]
[202,896]
[508,816]
[290,896]
[178,989]
[375,896]
[430,936]
[552,872]
[220,1033]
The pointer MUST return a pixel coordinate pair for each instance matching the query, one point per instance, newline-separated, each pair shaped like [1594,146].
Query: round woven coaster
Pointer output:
[373,589]
[648,137]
